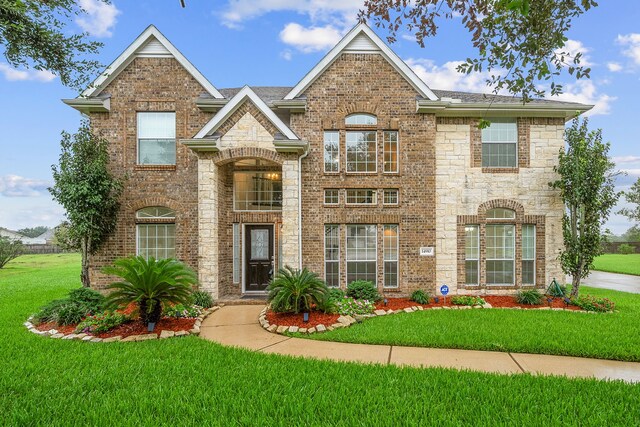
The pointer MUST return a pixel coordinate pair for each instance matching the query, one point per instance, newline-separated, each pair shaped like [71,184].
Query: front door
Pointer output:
[258,257]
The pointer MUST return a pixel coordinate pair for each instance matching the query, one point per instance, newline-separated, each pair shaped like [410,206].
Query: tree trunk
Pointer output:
[84,274]
[575,286]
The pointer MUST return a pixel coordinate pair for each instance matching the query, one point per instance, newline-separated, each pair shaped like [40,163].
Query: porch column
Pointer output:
[290,211]
[208,224]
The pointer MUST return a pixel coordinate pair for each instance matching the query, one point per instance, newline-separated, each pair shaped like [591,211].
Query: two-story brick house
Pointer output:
[360,171]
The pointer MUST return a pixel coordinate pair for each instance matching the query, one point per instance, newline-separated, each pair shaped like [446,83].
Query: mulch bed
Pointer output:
[290,319]
[53,325]
[136,327]
[497,301]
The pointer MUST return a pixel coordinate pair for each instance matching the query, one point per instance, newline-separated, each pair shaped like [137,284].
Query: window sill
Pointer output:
[500,170]
[361,205]
[155,167]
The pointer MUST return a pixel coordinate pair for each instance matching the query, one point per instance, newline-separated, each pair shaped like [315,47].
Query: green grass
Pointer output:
[616,263]
[603,336]
[190,381]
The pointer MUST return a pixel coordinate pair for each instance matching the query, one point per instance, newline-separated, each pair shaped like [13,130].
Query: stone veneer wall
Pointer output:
[461,189]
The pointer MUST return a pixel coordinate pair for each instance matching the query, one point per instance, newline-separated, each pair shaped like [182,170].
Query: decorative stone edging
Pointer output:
[53,333]
[346,321]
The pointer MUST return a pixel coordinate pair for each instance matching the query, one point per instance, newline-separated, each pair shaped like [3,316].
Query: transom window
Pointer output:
[361,119]
[500,144]
[390,255]
[331,196]
[156,138]
[472,254]
[528,254]
[390,196]
[155,212]
[257,191]
[361,196]
[331,151]
[361,149]
[332,255]
[361,253]
[501,213]
[500,263]
[390,151]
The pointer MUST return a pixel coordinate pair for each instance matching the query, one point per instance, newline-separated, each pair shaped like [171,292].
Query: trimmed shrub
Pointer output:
[626,249]
[364,290]
[591,303]
[92,300]
[529,297]
[202,299]
[348,306]
[467,300]
[336,294]
[103,322]
[420,296]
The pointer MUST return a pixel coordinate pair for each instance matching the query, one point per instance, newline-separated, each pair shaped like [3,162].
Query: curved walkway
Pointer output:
[238,326]
[615,281]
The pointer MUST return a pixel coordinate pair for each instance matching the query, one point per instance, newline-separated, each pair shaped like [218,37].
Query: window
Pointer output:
[257,191]
[361,119]
[500,254]
[236,253]
[390,255]
[361,196]
[157,239]
[390,196]
[472,254]
[501,213]
[500,144]
[391,151]
[361,151]
[528,254]
[156,138]
[361,253]
[331,196]
[332,255]
[331,152]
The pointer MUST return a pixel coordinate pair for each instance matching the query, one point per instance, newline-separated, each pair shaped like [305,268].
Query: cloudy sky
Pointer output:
[276,42]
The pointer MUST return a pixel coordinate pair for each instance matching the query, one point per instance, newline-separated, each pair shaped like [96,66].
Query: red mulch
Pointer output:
[289,319]
[53,325]
[136,327]
[495,301]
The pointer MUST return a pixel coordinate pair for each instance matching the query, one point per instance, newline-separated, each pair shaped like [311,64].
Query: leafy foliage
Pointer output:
[529,297]
[587,188]
[591,303]
[467,300]
[363,289]
[296,290]
[202,299]
[420,296]
[519,43]
[150,284]
[79,303]
[633,198]
[85,187]
[93,300]
[348,306]
[626,249]
[9,249]
[181,311]
[102,322]
[33,231]
[35,33]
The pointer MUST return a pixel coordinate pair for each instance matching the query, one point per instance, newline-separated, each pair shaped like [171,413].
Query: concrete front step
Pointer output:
[247,300]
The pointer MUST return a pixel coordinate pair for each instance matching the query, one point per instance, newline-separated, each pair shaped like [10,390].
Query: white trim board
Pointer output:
[354,41]
[148,44]
[234,103]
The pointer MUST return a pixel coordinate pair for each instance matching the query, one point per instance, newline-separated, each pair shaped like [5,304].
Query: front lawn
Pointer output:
[190,381]
[603,336]
[616,263]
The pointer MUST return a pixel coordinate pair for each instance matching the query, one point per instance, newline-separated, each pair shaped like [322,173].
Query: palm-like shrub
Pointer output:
[296,290]
[150,284]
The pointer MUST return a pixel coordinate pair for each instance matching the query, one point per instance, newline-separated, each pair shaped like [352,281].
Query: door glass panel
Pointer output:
[259,244]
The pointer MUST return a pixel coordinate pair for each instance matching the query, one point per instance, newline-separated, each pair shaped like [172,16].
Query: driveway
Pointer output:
[617,282]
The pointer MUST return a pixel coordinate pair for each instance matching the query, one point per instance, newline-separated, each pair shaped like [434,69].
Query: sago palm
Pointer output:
[295,290]
[150,284]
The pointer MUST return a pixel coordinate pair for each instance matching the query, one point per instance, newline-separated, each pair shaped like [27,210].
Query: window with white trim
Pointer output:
[156,238]
[390,151]
[361,151]
[236,253]
[156,138]
[500,249]
[390,196]
[361,119]
[501,213]
[361,253]
[500,144]
[472,254]
[331,196]
[528,254]
[331,151]
[332,255]
[390,255]
[362,196]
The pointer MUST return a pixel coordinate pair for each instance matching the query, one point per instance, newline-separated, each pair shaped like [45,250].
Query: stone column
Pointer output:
[290,208]
[208,224]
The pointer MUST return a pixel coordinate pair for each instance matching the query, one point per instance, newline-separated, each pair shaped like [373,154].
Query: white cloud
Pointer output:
[13,74]
[586,92]
[17,186]
[312,39]
[631,46]
[286,54]
[445,77]
[100,17]
[614,67]
[571,48]
[627,159]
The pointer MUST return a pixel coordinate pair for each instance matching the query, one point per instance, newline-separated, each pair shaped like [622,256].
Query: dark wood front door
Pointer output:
[258,254]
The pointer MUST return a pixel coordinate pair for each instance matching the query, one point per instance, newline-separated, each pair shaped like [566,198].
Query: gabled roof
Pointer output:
[246,93]
[151,43]
[362,39]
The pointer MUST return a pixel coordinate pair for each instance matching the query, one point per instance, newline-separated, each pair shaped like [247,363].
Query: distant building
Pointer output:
[14,235]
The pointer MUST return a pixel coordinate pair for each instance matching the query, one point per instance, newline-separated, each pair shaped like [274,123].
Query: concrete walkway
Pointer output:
[238,326]
[615,281]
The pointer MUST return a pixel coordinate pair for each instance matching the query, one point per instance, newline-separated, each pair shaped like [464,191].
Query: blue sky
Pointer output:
[276,42]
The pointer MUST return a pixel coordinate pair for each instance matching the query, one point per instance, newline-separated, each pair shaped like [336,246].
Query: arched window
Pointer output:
[361,119]
[156,232]
[501,213]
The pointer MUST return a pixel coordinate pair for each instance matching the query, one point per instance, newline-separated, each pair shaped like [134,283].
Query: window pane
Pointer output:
[391,151]
[157,151]
[529,242]
[471,272]
[390,197]
[500,130]
[361,196]
[332,255]
[236,253]
[500,242]
[361,253]
[331,151]
[499,155]
[257,191]
[390,255]
[500,213]
[528,272]
[361,119]
[331,197]
[157,125]
[157,240]
[472,253]
[155,212]
[361,151]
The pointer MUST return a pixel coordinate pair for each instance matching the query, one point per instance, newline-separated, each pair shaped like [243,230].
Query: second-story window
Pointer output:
[391,151]
[331,151]
[500,144]
[157,138]
[361,150]
[362,196]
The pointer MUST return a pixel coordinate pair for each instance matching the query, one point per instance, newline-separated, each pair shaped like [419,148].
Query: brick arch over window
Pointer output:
[234,154]
[167,202]
[358,107]
[501,203]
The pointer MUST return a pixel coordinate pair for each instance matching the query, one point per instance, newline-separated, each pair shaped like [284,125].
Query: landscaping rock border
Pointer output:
[346,321]
[53,333]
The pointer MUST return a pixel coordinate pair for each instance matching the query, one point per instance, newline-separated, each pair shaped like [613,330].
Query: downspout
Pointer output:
[306,153]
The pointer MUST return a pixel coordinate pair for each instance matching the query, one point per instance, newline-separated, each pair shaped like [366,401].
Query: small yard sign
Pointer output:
[444,289]
[426,251]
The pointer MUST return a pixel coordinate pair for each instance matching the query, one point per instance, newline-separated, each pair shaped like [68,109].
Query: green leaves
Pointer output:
[9,249]
[296,290]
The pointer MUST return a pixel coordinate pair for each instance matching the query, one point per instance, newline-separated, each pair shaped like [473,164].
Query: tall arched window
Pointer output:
[156,232]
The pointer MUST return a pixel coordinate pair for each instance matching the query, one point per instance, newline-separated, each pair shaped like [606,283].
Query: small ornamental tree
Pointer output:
[9,249]
[88,191]
[586,185]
